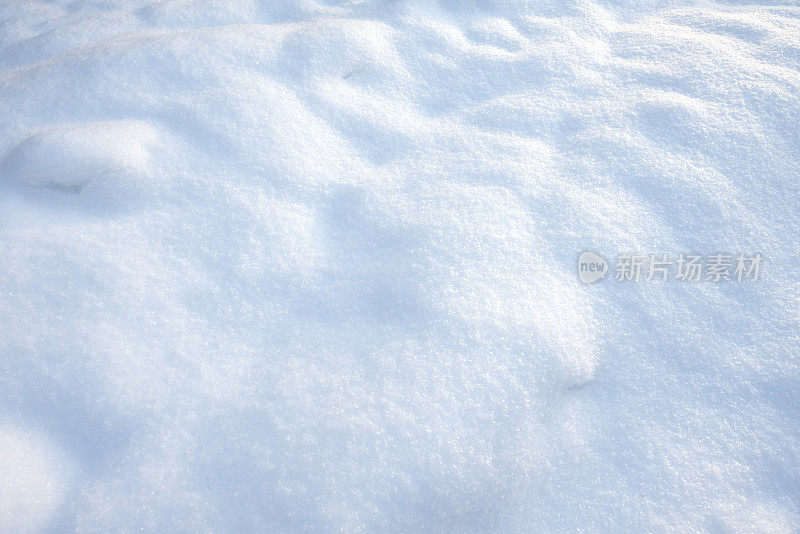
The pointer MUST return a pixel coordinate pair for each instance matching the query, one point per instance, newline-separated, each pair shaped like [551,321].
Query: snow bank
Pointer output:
[304,265]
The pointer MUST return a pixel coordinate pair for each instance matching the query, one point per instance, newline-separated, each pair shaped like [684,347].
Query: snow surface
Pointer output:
[307,265]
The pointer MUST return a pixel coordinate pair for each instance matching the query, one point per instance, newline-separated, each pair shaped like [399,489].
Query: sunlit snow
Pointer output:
[301,265]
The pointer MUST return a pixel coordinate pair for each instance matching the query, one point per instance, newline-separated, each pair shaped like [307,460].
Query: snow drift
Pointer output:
[310,266]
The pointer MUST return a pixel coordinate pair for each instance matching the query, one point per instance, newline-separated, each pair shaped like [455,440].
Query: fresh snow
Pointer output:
[301,265]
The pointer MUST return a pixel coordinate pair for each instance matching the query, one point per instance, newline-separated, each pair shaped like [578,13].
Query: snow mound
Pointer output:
[310,266]
[34,478]
[104,157]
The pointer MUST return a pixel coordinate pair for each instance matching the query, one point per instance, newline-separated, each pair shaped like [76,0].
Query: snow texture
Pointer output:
[301,265]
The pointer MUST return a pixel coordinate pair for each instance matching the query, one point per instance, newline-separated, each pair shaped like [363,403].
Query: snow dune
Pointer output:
[304,265]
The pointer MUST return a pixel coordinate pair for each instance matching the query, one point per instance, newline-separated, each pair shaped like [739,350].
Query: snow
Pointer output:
[298,265]
[33,477]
